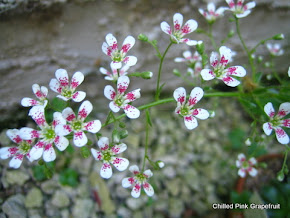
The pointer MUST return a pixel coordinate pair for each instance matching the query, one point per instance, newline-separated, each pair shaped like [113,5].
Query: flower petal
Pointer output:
[37,114]
[16,161]
[120,163]
[106,171]
[61,142]
[190,122]
[116,65]
[37,150]
[27,133]
[55,86]
[177,21]
[132,96]
[112,41]
[131,112]
[136,191]
[166,28]
[207,74]
[148,173]
[189,41]
[28,102]
[80,139]
[58,119]
[62,77]
[119,148]
[200,113]
[236,71]
[242,173]
[195,95]
[115,108]
[134,169]
[230,81]
[103,143]
[77,79]
[107,49]
[148,189]
[85,109]
[284,109]
[7,152]
[189,26]
[122,84]
[286,123]
[93,126]
[253,172]
[130,60]
[62,130]
[109,92]
[225,54]
[49,153]
[68,114]
[250,5]
[179,95]
[78,96]
[269,109]
[37,91]
[14,135]
[96,154]
[127,182]
[267,127]
[281,136]
[128,43]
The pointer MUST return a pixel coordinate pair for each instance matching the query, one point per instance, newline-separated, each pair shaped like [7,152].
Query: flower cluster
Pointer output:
[212,14]
[239,9]
[193,62]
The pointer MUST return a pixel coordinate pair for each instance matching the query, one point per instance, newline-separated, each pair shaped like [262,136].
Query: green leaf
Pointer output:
[38,173]
[85,152]
[237,138]
[58,104]
[69,177]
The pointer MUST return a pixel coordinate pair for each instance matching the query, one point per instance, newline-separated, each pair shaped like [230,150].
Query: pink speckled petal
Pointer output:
[131,111]
[103,143]
[195,95]
[7,152]
[132,96]
[37,114]
[236,71]
[190,122]
[112,41]
[63,130]
[148,173]
[225,54]
[85,109]
[58,119]
[106,171]
[267,127]
[122,84]
[120,163]
[55,86]
[284,109]
[286,123]
[207,74]
[179,95]
[68,114]
[127,182]
[281,136]
[136,191]
[253,172]
[177,21]
[107,49]
[134,169]
[189,26]
[200,113]
[166,28]
[242,173]
[37,150]
[130,60]
[109,92]
[14,135]
[16,161]
[119,148]
[61,142]
[77,79]
[28,102]
[49,153]
[62,76]
[230,81]
[148,189]
[115,108]
[128,43]
[97,154]
[78,96]
[27,133]
[80,139]
[269,109]
[93,126]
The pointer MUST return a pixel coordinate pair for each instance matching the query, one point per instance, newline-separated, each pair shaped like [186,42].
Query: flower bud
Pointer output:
[280,176]
[211,114]
[160,164]
[289,71]
[115,136]
[146,75]
[176,73]
[231,33]
[248,142]
[123,133]
[279,36]
[143,37]
[260,59]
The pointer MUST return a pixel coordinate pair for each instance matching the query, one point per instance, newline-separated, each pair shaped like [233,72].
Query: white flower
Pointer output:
[211,15]
[276,122]
[114,74]
[17,153]
[246,166]
[178,32]
[137,181]
[186,109]
[108,156]
[65,88]
[110,48]
[275,49]
[220,70]
[239,9]
[77,124]
[40,93]
[122,100]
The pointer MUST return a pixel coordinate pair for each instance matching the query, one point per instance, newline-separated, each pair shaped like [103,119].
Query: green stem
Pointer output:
[274,70]
[249,53]
[168,100]
[157,93]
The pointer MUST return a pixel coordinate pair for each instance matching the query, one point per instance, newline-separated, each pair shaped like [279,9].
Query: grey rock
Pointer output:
[174,186]
[136,203]
[33,198]
[82,208]
[60,199]
[16,177]
[50,186]
[14,207]
[176,207]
